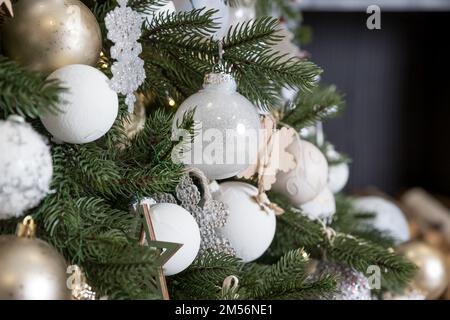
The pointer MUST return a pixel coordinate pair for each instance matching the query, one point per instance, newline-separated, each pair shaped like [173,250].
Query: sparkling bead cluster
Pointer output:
[210,216]
[124,29]
[25,165]
[351,284]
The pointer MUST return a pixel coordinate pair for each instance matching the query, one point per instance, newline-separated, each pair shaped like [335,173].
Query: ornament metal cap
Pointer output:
[219,80]
[26,228]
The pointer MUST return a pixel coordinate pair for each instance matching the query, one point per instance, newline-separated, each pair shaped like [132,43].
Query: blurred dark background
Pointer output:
[396,127]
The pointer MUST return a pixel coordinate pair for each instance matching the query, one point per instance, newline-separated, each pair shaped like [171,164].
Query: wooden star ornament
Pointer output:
[8,6]
[166,249]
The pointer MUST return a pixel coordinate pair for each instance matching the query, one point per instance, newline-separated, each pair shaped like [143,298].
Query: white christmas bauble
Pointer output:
[242,13]
[338,176]
[89,106]
[322,207]
[172,223]
[308,179]
[227,128]
[388,217]
[221,17]
[249,228]
[154,10]
[25,167]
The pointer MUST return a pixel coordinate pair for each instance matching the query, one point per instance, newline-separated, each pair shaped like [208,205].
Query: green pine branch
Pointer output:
[24,92]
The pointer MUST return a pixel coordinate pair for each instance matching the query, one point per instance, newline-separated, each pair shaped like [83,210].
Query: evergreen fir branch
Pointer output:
[204,278]
[24,92]
[295,230]
[319,104]
[197,21]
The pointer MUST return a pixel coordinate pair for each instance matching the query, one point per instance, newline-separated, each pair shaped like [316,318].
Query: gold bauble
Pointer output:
[45,35]
[431,278]
[30,269]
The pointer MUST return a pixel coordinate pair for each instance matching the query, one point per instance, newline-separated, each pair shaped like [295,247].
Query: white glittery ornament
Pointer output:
[308,179]
[227,128]
[221,17]
[25,166]
[172,223]
[388,217]
[124,30]
[322,207]
[351,284]
[249,228]
[89,106]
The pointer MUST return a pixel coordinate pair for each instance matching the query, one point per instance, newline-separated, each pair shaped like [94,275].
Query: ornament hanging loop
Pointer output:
[26,228]
[219,67]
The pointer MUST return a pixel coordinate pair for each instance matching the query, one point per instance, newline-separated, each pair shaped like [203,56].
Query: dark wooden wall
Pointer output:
[397,84]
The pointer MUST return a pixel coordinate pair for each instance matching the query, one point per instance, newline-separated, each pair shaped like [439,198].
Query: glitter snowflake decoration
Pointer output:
[210,216]
[124,29]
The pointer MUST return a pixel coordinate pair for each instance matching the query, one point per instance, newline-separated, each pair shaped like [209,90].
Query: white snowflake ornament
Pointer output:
[124,29]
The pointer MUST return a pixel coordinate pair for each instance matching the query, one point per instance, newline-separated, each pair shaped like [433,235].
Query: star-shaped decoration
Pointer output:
[8,6]
[166,249]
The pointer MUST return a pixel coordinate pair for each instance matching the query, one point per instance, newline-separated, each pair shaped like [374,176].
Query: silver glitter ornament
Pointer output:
[351,284]
[25,166]
[209,214]
[124,29]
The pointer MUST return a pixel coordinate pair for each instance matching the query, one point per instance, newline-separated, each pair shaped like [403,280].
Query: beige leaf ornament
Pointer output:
[272,156]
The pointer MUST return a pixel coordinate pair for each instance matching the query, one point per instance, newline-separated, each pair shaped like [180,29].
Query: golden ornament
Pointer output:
[136,121]
[30,269]
[431,278]
[46,35]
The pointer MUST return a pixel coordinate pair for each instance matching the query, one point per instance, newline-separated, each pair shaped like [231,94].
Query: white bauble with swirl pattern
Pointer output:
[308,179]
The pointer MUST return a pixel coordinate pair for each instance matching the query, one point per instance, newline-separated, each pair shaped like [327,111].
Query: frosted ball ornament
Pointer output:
[249,228]
[89,106]
[388,217]
[25,166]
[221,17]
[308,179]
[322,207]
[172,223]
[45,35]
[227,128]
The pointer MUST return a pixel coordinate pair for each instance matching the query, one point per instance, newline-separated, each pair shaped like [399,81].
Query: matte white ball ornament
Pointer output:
[221,16]
[322,207]
[249,228]
[173,223]
[388,217]
[25,167]
[226,139]
[308,179]
[338,175]
[89,106]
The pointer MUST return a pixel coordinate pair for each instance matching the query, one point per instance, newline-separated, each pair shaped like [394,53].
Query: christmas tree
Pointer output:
[108,83]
